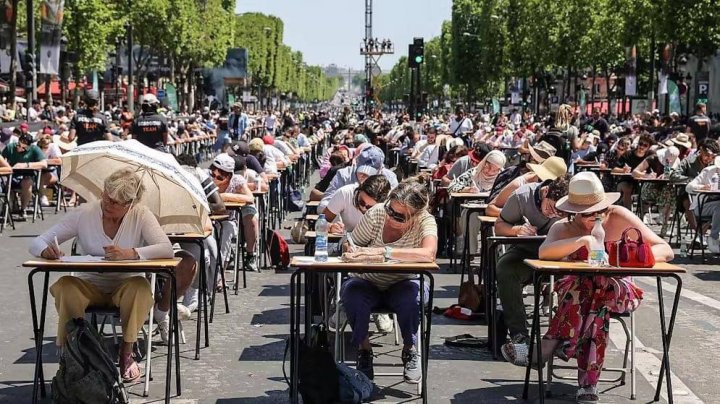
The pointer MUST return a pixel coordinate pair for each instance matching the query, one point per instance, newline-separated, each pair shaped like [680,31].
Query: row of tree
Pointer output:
[488,42]
[189,34]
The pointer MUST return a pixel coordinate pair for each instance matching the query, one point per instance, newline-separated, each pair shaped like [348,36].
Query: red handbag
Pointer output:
[630,253]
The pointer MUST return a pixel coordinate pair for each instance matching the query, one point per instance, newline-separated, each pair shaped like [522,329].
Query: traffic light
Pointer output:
[416,53]
[30,65]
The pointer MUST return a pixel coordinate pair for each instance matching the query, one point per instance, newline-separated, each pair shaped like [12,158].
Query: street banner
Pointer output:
[582,96]
[171,96]
[674,94]
[7,15]
[630,71]
[51,16]
[702,87]
[662,83]
[496,105]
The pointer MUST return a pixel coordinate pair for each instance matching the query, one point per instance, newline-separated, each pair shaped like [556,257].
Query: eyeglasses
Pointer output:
[107,200]
[394,215]
[218,176]
[643,144]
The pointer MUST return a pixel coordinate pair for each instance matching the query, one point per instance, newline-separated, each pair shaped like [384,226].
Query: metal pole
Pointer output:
[131,86]
[32,94]
[368,58]
[651,94]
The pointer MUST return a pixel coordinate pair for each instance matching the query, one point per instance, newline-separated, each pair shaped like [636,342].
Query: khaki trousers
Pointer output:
[132,296]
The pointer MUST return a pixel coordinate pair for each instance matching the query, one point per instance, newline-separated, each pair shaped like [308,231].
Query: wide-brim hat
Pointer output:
[64,143]
[550,169]
[586,195]
[541,151]
[681,140]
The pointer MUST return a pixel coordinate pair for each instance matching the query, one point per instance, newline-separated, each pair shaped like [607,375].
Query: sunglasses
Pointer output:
[218,176]
[394,215]
[643,144]
[591,214]
[359,203]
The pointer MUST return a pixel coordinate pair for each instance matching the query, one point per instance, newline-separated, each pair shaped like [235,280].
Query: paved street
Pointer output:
[244,360]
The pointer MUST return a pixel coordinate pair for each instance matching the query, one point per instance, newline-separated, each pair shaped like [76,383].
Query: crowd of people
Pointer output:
[385,182]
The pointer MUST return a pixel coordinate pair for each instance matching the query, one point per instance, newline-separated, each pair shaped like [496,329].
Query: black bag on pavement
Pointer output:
[87,373]
[318,376]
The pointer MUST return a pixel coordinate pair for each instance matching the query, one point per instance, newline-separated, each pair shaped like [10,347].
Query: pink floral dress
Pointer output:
[582,321]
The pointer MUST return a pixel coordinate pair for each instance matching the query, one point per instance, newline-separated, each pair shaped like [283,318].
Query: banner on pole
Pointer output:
[674,94]
[51,16]
[171,97]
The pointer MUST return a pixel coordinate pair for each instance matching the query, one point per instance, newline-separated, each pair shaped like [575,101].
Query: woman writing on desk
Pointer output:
[399,229]
[118,228]
[580,327]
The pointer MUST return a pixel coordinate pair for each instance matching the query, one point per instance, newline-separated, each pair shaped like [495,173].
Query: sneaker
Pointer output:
[384,323]
[713,245]
[184,313]
[44,201]
[163,324]
[190,300]
[251,263]
[411,362]
[365,363]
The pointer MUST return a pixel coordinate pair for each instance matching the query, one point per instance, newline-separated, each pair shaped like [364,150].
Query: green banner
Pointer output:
[674,94]
[171,96]
[230,100]
[496,106]
[583,102]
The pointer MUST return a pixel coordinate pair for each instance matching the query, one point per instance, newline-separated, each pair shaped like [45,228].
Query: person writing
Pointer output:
[399,229]
[580,327]
[117,228]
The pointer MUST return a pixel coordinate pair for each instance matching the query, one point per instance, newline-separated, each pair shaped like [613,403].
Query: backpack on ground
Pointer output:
[318,377]
[87,373]
[354,386]
[278,249]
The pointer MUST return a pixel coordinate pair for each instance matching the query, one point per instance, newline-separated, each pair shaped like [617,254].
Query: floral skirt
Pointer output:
[660,194]
[582,321]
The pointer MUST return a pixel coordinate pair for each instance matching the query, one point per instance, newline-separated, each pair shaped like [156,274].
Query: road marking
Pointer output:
[685,293]
[647,364]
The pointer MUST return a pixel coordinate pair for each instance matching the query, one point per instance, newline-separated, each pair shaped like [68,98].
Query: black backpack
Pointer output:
[87,373]
[318,381]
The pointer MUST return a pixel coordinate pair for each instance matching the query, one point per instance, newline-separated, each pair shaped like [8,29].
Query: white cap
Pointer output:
[149,99]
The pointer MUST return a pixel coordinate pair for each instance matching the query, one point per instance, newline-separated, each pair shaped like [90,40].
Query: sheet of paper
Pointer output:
[81,258]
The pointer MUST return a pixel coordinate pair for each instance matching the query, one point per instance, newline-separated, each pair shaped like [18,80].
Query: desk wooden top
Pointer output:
[469,195]
[259,193]
[312,203]
[708,192]
[131,265]
[487,219]
[331,236]
[336,263]
[657,180]
[235,205]
[312,217]
[219,218]
[622,174]
[474,206]
[189,236]
[517,239]
[6,170]
[570,267]
[602,170]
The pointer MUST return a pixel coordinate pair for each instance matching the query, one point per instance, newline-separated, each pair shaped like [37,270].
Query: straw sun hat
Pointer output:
[586,195]
[550,169]
[541,151]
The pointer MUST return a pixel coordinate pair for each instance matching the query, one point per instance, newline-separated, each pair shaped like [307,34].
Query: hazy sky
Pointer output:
[331,31]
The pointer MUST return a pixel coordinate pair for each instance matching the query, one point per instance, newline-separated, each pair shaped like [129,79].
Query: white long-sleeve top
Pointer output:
[140,230]
[704,178]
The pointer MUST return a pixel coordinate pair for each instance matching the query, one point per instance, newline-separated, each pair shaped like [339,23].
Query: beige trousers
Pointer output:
[132,295]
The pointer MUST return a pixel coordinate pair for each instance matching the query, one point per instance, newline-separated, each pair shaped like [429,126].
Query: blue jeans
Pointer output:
[223,138]
[360,297]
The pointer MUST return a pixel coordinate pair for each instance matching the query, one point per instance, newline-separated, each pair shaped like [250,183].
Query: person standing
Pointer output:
[89,124]
[699,124]
[237,122]
[150,128]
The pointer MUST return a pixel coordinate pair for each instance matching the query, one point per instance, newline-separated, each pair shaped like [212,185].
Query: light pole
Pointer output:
[31,56]
[130,86]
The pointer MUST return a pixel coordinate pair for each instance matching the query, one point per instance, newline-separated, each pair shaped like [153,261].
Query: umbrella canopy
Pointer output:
[172,194]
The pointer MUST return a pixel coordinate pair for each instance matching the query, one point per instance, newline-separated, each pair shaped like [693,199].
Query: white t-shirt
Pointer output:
[270,122]
[341,204]
[465,126]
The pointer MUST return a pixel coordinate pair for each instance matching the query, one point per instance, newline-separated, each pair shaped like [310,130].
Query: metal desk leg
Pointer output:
[38,330]
[535,340]
[667,335]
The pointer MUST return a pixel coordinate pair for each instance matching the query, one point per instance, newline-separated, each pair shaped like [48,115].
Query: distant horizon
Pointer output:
[336,40]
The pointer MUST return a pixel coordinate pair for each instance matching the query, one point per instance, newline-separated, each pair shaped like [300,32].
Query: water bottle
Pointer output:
[258,183]
[666,171]
[602,158]
[683,247]
[321,239]
[714,181]
[596,256]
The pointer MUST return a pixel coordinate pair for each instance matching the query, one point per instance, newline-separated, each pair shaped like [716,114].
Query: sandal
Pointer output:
[587,395]
[129,369]
[517,354]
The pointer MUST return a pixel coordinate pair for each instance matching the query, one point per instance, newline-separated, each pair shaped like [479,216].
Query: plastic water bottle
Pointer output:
[597,257]
[666,171]
[683,246]
[321,239]
[714,181]
[602,158]
[258,183]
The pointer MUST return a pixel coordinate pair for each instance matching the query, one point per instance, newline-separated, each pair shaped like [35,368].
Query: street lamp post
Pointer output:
[130,86]
[32,57]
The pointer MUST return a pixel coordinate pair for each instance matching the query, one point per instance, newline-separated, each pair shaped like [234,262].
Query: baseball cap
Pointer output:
[269,140]
[370,160]
[256,144]
[224,162]
[24,127]
[92,95]
[241,148]
[149,99]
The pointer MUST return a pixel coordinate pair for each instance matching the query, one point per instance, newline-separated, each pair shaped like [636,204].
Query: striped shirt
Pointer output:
[368,233]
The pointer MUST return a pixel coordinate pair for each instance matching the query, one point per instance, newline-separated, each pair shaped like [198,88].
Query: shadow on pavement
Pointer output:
[275,291]
[274,316]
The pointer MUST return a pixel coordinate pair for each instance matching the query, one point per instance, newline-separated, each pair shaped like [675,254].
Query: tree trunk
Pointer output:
[592,91]
[13,54]
[607,86]
[48,92]
[172,69]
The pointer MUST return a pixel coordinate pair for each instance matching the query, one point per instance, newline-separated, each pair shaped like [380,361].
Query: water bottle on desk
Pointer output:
[596,255]
[321,239]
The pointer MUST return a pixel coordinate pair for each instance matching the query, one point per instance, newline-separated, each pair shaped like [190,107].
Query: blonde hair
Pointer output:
[124,186]
[563,117]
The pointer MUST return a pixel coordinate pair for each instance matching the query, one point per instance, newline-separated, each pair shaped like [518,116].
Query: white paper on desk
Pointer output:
[81,258]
